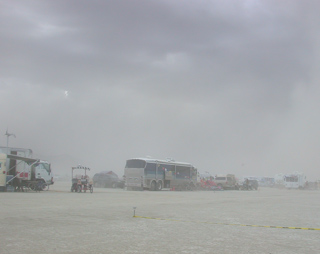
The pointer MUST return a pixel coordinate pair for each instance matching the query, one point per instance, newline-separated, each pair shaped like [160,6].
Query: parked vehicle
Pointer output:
[154,174]
[26,172]
[226,181]
[266,181]
[107,179]
[81,182]
[208,184]
[249,184]
[295,180]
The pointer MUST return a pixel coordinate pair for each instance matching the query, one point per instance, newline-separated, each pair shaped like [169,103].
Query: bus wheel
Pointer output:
[153,186]
[159,186]
[191,187]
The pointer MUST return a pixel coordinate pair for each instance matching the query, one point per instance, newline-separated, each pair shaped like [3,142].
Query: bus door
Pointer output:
[160,172]
[168,174]
[150,171]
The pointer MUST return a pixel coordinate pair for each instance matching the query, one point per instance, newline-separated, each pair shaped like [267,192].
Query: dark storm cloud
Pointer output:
[220,84]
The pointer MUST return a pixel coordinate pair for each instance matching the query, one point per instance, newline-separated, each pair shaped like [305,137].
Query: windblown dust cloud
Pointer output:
[229,86]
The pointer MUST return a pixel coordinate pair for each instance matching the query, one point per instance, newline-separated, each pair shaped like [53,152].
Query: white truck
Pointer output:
[228,181]
[26,171]
[295,180]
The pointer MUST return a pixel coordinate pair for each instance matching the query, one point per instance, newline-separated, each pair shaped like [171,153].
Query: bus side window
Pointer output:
[151,169]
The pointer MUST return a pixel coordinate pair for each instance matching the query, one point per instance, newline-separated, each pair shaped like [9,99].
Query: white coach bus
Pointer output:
[153,174]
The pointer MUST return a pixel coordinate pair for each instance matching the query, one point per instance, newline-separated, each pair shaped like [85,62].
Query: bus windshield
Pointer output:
[135,164]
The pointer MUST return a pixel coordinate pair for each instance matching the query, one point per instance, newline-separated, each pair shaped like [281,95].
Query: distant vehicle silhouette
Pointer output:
[107,179]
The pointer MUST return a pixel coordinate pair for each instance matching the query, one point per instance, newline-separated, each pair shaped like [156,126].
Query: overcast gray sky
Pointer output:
[229,86]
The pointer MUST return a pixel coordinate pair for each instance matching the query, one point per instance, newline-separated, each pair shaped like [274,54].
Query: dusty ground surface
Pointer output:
[58,221]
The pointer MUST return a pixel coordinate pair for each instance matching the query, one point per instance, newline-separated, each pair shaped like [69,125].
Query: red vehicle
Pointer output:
[209,185]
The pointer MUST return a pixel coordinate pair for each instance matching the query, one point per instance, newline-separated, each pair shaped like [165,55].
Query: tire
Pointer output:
[159,186]
[153,186]
[45,187]
[31,186]
[192,187]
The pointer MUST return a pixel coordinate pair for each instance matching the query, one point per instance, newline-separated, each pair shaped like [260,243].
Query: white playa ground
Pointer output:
[58,221]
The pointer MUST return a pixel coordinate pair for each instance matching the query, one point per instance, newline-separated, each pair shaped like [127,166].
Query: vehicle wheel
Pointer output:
[159,186]
[31,186]
[192,187]
[114,185]
[153,186]
[44,186]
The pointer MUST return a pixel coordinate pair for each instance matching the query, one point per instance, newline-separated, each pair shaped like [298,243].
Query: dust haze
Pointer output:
[231,87]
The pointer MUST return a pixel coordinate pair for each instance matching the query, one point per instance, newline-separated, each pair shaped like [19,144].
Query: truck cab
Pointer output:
[42,170]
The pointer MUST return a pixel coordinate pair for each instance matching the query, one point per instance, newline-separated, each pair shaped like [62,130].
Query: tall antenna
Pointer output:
[8,135]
